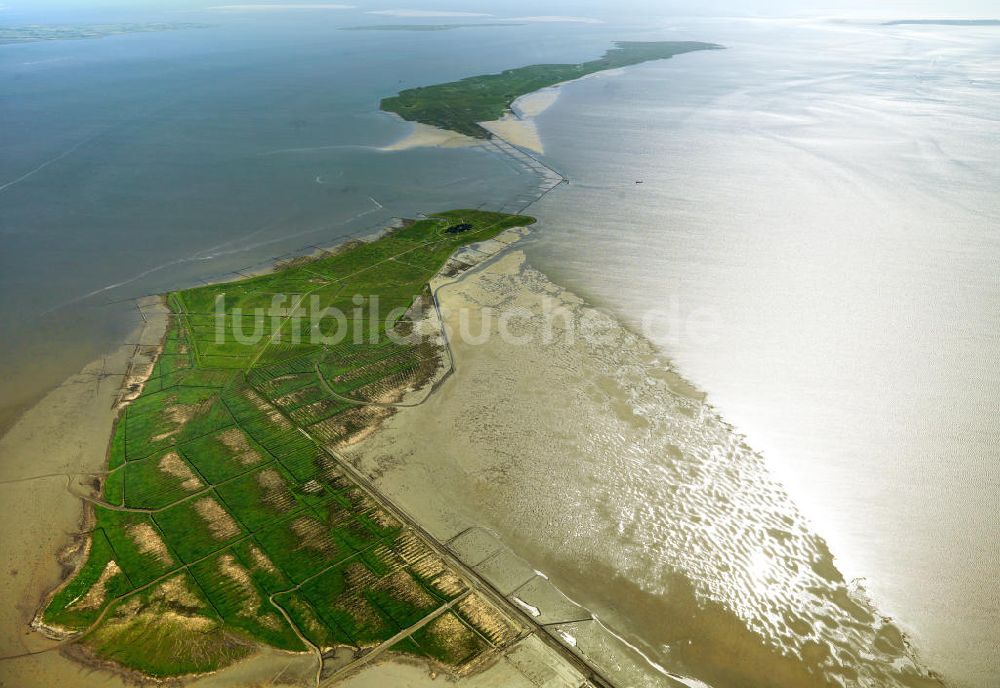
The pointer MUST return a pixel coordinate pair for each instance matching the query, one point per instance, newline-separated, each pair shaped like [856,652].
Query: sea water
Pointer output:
[815,243]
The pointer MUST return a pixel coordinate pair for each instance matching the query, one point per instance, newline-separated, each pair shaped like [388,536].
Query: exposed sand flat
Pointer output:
[518,126]
[520,132]
[529,664]
[425,136]
[67,432]
[534,104]
[585,455]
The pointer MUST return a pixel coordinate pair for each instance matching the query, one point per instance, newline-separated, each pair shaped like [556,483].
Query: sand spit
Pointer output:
[520,132]
[518,126]
[427,136]
[534,104]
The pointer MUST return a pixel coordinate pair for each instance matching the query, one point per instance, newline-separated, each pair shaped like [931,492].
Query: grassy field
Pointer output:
[461,105]
[227,520]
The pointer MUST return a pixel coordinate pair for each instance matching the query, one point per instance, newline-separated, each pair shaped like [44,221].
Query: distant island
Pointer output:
[461,105]
[944,22]
[423,27]
[32,33]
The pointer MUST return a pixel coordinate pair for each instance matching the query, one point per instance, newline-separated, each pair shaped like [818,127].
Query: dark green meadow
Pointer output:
[461,105]
[227,520]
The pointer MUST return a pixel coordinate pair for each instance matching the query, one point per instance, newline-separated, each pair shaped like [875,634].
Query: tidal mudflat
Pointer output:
[581,470]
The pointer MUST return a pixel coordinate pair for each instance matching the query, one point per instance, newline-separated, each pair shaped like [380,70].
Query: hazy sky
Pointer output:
[61,10]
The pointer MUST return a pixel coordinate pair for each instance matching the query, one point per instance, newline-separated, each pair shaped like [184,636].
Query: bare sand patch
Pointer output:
[219,522]
[493,623]
[179,415]
[518,125]
[234,571]
[352,426]
[312,534]
[402,586]
[96,595]
[177,592]
[173,465]
[236,442]
[149,541]
[261,560]
[276,492]
[262,405]
[534,104]
[427,136]
[520,132]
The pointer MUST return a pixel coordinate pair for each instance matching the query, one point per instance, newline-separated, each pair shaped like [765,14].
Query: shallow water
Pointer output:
[140,163]
[815,239]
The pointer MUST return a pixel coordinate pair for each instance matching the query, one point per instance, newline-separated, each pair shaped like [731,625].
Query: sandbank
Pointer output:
[427,136]
[518,126]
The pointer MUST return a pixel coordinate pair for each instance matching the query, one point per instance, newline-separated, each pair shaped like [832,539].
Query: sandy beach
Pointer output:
[425,136]
[518,126]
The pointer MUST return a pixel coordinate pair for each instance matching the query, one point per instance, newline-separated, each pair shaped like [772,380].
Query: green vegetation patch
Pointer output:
[100,581]
[113,490]
[461,105]
[257,499]
[198,526]
[163,419]
[168,630]
[225,454]
[301,546]
[234,592]
[224,507]
[159,480]
[139,546]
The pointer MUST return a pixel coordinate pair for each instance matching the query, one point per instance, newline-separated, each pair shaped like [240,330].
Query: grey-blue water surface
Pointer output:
[144,162]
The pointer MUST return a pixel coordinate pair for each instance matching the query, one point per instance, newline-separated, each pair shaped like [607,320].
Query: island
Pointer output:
[226,519]
[943,22]
[425,27]
[460,105]
[33,33]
